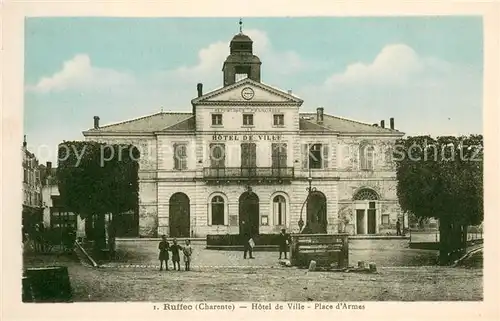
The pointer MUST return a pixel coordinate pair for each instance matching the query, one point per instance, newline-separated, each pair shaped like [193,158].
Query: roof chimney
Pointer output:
[96,122]
[199,87]
[382,123]
[24,142]
[319,114]
[391,120]
[289,91]
[49,166]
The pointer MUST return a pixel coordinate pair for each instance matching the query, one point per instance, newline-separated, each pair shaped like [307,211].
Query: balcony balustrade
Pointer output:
[244,173]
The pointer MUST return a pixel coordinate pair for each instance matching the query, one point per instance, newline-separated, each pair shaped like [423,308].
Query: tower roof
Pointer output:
[241,38]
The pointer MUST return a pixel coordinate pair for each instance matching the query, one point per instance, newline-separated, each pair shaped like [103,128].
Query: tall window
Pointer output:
[248,155]
[217,155]
[247,119]
[278,154]
[180,156]
[279,120]
[216,119]
[279,208]
[315,157]
[366,157]
[217,210]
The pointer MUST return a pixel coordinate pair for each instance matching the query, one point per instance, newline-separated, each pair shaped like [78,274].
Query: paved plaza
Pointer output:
[260,283]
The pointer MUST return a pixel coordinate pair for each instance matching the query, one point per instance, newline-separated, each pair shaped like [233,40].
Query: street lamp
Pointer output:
[309,190]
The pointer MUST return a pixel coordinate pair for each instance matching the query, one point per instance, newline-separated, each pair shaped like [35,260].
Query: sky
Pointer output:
[426,72]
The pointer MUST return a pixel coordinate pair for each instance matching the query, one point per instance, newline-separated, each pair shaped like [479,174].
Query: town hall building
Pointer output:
[247,156]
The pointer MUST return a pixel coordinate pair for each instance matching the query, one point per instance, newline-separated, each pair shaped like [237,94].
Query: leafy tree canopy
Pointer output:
[96,178]
[441,177]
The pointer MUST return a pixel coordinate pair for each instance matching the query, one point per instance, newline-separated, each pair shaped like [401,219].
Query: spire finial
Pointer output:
[241,25]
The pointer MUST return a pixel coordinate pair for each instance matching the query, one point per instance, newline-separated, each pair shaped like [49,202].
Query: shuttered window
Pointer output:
[279,154]
[180,156]
[248,155]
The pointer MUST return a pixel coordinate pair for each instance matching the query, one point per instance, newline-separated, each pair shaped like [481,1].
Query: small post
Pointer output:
[312,266]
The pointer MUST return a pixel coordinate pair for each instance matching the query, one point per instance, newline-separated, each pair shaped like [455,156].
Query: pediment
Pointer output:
[247,91]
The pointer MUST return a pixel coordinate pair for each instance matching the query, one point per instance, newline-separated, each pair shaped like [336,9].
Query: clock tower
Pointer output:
[241,62]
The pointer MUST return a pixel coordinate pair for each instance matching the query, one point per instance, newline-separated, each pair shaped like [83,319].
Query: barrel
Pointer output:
[49,284]
[27,291]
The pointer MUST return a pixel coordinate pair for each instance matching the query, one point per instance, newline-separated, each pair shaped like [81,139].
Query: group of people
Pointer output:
[164,247]
[283,243]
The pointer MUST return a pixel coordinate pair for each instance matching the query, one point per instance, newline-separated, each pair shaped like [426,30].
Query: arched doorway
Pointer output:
[316,213]
[249,213]
[179,215]
[365,202]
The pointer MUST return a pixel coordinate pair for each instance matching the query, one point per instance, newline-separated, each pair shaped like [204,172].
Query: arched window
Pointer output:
[366,194]
[279,210]
[217,205]
[366,157]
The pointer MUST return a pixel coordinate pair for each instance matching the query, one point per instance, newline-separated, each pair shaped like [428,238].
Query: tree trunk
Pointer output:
[445,236]
[89,228]
[99,232]
[464,238]
[112,235]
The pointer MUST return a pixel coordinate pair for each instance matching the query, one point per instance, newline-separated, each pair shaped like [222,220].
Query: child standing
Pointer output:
[163,256]
[175,248]
[187,250]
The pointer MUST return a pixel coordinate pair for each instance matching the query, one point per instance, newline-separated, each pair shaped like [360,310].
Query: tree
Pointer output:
[442,178]
[96,179]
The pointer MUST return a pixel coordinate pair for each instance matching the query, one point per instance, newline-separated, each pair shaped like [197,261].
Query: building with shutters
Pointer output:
[246,153]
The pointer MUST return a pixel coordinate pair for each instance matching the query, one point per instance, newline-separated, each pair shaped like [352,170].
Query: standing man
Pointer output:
[283,241]
[247,248]
[398,227]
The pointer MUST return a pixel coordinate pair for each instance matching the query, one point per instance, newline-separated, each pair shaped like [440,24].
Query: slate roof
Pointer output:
[146,124]
[184,125]
[181,121]
[342,125]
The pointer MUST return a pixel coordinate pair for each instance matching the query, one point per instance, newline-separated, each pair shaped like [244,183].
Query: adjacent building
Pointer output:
[32,189]
[55,215]
[245,156]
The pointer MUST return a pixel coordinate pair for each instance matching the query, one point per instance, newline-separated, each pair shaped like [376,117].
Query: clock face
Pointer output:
[247,93]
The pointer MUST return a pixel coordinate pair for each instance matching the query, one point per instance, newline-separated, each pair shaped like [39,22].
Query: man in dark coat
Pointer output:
[283,241]
[247,247]
[246,237]
[398,227]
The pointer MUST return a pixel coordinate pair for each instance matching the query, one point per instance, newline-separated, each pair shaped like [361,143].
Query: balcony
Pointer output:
[262,174]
